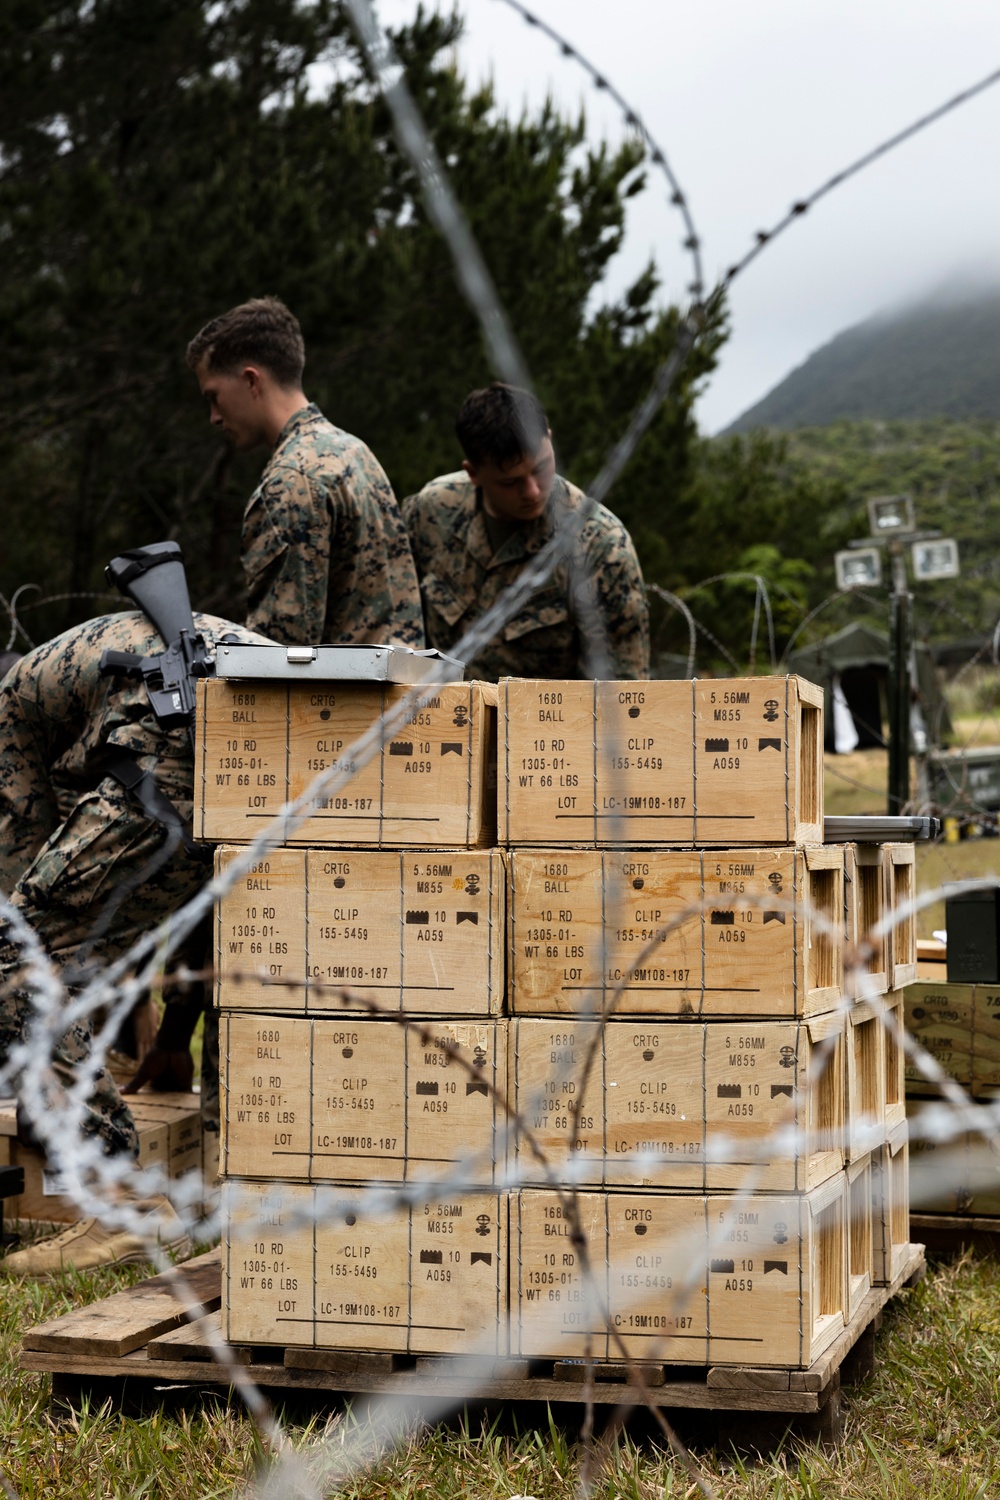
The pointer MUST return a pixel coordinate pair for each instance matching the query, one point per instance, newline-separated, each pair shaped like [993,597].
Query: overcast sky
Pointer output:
[755,103]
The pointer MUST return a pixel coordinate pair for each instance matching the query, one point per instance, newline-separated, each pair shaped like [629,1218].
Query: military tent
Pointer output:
[855,662]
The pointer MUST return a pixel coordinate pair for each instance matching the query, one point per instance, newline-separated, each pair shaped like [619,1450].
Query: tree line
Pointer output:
[162,160]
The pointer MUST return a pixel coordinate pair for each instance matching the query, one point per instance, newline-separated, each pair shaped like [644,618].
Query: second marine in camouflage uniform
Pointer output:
[325,549]
[72,838]
[461,575]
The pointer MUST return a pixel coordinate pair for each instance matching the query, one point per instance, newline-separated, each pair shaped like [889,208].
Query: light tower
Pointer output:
[893,526]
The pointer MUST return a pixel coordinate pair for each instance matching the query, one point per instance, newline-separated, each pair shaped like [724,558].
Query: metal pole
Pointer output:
[899,683]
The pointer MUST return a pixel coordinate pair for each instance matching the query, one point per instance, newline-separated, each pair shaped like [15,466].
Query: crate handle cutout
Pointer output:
[825,954]
[870,913]
[811,768]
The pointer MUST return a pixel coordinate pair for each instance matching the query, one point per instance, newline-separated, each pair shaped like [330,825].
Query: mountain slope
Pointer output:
[934,360]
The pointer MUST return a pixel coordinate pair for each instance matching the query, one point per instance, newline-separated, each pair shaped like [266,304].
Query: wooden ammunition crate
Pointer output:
[959,1025]
[169,1127]
[747,932]
[681,1104]
[940,1018]
[956,1176]
[866,897]
[362,1100]
[322,931]
[901,879]
[890,1207]
[688,1279]
[986,1040]
[317,1267]
[738,761]
[182,1118]
[261,745]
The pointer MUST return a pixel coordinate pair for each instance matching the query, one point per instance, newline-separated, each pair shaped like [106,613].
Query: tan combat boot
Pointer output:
[90,1243]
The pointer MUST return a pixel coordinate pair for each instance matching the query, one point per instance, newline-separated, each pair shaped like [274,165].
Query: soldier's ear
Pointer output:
[252,378]
[470,470]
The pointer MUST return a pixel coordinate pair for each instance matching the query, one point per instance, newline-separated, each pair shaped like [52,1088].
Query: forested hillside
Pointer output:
[161,160]
[939,359]
[952,470]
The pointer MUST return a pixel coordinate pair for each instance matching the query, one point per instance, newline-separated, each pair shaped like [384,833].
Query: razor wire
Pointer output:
[677,197]
[115,990]
[62,1017]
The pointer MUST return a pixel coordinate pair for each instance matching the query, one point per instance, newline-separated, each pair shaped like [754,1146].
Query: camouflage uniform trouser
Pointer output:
[104,843]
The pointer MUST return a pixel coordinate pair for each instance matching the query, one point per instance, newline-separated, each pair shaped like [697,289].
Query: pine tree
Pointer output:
[161,160]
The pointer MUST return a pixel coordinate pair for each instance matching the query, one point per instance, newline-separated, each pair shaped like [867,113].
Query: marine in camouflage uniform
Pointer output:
[325,550]
[461,575]
[71,835]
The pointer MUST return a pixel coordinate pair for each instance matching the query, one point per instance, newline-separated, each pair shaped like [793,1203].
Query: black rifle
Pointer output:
[153,578]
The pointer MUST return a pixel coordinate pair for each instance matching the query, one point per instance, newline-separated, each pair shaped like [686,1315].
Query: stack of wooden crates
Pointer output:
[170,1136]
[723,1124]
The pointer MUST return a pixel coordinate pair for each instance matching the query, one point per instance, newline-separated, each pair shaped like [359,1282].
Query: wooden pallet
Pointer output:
[143,1335]
[947,1233]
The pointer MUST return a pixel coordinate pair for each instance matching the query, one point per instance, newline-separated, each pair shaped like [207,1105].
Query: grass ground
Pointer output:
[925,1424]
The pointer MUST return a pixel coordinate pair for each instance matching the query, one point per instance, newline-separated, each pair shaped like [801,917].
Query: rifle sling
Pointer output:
[153,801]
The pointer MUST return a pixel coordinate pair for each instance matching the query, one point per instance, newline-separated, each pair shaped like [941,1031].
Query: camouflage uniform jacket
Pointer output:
[76,847]
[325,550]
[59,716]
[461,576]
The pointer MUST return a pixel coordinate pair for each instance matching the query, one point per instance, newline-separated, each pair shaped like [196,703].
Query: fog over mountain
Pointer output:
[939,357]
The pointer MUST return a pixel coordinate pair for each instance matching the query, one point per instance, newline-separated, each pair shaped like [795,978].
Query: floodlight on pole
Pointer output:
[859,569]
[892,524]
[890,515]
[935,559]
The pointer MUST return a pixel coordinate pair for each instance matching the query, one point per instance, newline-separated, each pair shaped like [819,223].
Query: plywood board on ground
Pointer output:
[362,1100]
[759,1280]
[326,1267]
[128,1319]
[755,932]
[336,932]
[260,746]
[699,1105]
[669,763]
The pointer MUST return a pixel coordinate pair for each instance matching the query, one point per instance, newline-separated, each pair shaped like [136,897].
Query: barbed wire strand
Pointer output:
[613,465]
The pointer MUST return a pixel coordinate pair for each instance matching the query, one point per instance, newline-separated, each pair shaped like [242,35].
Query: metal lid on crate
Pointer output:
[399,664]
[880,830]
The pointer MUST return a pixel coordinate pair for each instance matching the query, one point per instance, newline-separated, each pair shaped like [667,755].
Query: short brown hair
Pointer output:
[261,331]
[501,425]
